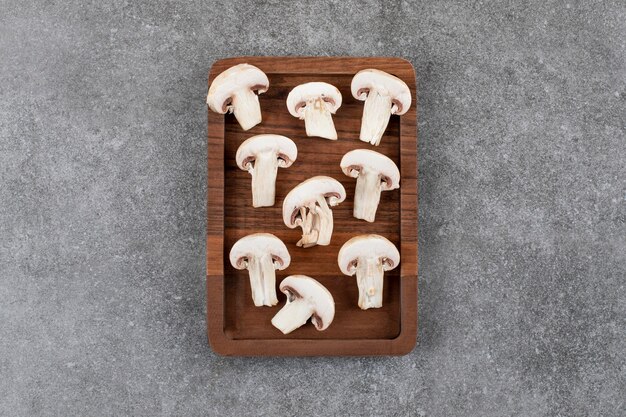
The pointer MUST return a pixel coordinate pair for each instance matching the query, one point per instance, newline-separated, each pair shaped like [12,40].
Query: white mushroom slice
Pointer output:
[374,172]
[368,256]
[306,299]
[315,103]
[308,205]
[261,254]
[261,156]
[384,95]
[234,90]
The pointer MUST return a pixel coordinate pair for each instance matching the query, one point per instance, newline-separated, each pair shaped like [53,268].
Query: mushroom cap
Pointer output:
[385,84]
[302,286]
[353,161]
[302,93]
[283,147]
[242,76]
[256,245]
[308,191]
[366,247]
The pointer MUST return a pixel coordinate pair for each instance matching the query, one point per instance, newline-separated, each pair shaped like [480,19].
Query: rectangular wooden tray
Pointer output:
[235,325]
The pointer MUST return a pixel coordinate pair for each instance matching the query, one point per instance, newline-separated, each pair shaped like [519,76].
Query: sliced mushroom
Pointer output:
[235,91]
[306,299]
[261,254]
[315,103]
[308,205]
[261,156]
[368,256]
[374,172]
[384,95]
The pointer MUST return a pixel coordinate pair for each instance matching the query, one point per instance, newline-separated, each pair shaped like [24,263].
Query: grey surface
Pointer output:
[522,209]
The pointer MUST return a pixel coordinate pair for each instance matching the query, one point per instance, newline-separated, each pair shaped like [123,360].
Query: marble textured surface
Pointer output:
[522,208]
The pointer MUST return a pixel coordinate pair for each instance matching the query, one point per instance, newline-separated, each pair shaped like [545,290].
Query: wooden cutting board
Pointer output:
[235,325]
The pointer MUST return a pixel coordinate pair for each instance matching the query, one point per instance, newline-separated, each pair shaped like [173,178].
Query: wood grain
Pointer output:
[235,325]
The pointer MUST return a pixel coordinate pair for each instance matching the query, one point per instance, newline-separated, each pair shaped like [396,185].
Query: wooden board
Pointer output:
[235,325]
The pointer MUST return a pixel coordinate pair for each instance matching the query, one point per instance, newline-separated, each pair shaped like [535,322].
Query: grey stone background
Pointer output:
[522,209]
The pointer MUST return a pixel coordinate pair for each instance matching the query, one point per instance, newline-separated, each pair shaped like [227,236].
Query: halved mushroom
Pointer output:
[261,156]
[368,256]
[234,90]
[315,103]
[384,95]
[261,254]
[306,298]
[308,205]
[374,172]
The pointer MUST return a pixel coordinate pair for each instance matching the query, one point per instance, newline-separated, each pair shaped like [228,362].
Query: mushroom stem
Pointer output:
[367,195]
[369,279]
[316,223]
[269,282]
[309,233]
[318,120]
[376,114]
[264,170]
[262,281]
[293,315]
[247,108]
[324,221]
